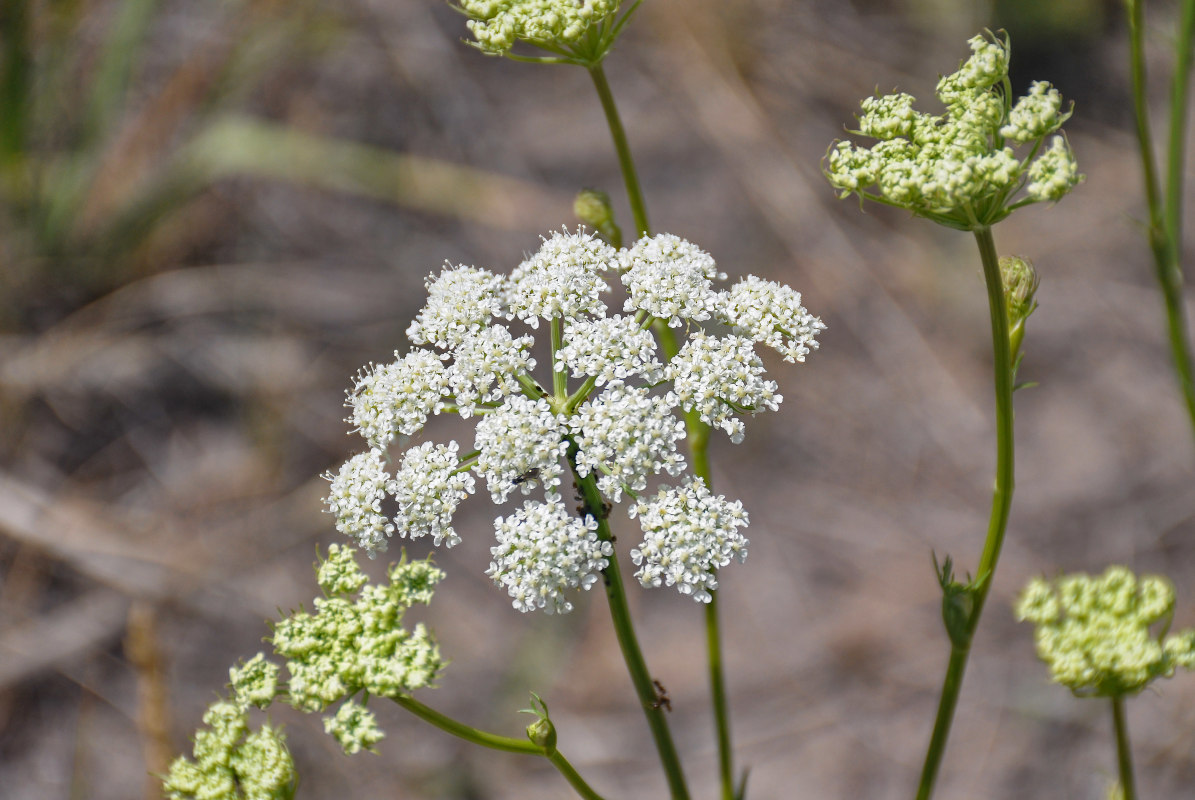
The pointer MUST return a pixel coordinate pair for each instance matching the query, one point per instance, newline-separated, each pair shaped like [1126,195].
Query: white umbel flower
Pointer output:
[626,435]
[498,24]
[669,278]
[771,314]
[608,349]
[521,444]
[688,534]
[543,552]
[562,279]
[460,301]
[396,398]
[429,487]
[484,366]
[356,501]
[720,378]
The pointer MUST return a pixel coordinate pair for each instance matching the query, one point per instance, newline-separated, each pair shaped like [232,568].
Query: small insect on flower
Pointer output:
[529,475]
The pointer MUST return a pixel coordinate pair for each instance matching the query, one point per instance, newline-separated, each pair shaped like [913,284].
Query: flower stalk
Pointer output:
[1165,211]
[697,434]
[977,590]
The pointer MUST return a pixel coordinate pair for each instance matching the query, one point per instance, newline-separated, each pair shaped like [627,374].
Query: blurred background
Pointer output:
[211,214]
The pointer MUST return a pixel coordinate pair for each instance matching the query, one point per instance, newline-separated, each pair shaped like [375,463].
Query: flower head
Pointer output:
[356,500]
[626,435]
[719,378]
[542,552]
[231,761]
[398,397]
[428,487]
[688,533]
[669,278]
[562,279]
[959,168]
[521,444]
[771,314]
[1094,632]
[460,301]
[498,24]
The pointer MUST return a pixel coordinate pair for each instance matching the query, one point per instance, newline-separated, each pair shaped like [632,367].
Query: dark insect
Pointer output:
[662,700]
[529,475]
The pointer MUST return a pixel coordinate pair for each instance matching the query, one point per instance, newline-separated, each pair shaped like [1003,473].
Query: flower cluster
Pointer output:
[498,24]
[1094,632]
[960,168]
[688,533]
[611,415]
[231,761]
[352,645]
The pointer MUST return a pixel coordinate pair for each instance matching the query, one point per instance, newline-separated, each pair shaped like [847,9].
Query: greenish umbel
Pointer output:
[968,168]
[1097,634]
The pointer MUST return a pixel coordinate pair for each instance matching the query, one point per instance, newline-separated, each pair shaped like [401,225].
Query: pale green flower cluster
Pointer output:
[231,762]
[358,644]
[960,168]
[498,24]
[1094,632]
[612,413]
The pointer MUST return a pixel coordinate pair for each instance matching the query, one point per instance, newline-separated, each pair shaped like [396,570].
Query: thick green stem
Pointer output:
[1165,215]
[629,176]
[998,519]
[628,642]
[496,742]
[1124,755]
[697,434]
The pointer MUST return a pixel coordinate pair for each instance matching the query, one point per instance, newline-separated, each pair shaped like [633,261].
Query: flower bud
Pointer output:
[592,207]
[542,733]
[1020,284]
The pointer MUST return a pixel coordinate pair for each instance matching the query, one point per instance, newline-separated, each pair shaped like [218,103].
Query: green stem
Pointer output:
[628,642]
[1165,217]
[496,742]
[1124,755]
[696,430]
[625,162]
[997,521]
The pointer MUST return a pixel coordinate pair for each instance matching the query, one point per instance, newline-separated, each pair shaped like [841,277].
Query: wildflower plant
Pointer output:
[1107,636]
[968,168]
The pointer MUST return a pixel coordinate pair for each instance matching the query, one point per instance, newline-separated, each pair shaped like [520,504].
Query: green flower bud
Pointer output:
[1020,284]
[592,207]
[542,733]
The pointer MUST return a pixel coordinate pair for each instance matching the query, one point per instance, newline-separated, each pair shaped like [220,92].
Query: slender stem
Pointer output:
[572,776]
[997,521]
[628,642]
[1165,218]
[559,377]
[1124,755]
[697,433]
[496,742]
[625,162]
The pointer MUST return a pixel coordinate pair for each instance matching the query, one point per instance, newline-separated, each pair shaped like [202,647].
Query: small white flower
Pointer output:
[609,348]
[460,301]
[562,279]
[396,398]
[542,552]
[484,366]
[429,487]
[356,500]
[625,435]
[669,278]
[521,444]
[688,534]
[719,377]
[771,314]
